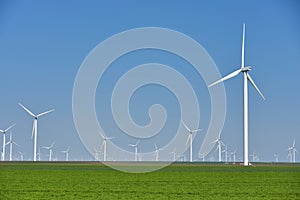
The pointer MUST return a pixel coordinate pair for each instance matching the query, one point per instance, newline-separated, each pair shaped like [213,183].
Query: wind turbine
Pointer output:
[156,152]
[276,157]
[135,146]
[190,138]
[294,151]
[226,153]
[174,154]
[4,141]
[50,150]
[219,147]
[104,144]
[35,126]
[97,154]
[67,153]
[247,78]
[290,154]
[233,155]
[10,143]
[21,155]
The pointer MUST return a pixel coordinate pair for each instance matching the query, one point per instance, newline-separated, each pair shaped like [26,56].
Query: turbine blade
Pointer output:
[243,47]
[187,128]
[27,110]
[33,128]
[44,113]
[16,143]
[137,142]
[9,127]
[197,130]
[101,135]
[231,75]
[52,145]
[254,85]
[187,141]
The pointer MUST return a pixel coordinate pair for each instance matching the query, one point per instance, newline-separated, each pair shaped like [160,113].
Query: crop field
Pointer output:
[26,180]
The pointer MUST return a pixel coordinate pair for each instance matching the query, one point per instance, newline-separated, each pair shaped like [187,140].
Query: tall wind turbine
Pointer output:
[190,139]
[104,144]
[11,143]
[4,141]
[135,146]
[219,147]
[50,151]
[244,69]
[35,126]
[276,157]
[67,153]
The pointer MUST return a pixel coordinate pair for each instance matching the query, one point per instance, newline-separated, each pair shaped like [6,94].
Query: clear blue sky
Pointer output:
[42,45]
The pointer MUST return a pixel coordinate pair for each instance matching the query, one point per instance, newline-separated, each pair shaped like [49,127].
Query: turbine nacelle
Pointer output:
[245,69]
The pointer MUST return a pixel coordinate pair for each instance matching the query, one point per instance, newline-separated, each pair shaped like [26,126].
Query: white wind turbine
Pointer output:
[247,78]
[21,155]
[174,154]
[294,151]
[50,150]
[276,157]
[156,153]
[219,147]
[4,141]
[104,144]
[225,151]
[190,139]
[290,154]
[11,143]
[35,126]
[234,155]
[135,146]
[67,153]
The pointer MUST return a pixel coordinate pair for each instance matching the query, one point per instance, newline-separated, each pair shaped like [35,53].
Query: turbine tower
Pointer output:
[4,141]
[67,153]
[244,69]
[135,146]
[190,139]
[50,151]
[11,143]
[104,144]
[35,126]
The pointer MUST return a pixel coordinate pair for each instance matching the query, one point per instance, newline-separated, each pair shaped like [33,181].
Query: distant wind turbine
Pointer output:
[67,153]
[247,78]
[4,141]
[276,157]
[225,151]
[11,143]
[50,150]
[104,144]
[174,154]
[135,146]
[190,139]
[294,151]
[219,147]
[156,153]
[35,126]
[233,155]
[21,155]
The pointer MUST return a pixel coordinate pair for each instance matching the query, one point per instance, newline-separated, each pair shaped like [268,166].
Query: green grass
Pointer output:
[178,181]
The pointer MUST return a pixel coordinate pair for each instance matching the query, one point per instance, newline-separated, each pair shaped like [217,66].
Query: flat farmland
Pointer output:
[90,180]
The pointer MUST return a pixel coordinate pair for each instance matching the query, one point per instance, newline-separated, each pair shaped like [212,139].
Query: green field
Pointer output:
[178,181]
